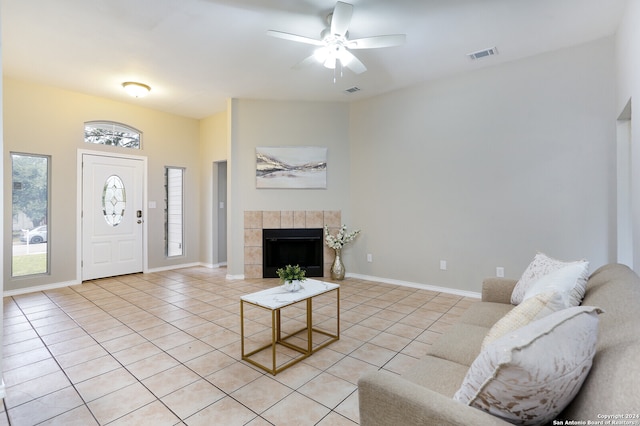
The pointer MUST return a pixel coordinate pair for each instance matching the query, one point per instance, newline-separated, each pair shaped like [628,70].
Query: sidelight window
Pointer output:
[174,211]
[30,214]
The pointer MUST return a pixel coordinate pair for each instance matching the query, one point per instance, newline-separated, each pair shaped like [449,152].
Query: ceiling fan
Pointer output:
[334,44]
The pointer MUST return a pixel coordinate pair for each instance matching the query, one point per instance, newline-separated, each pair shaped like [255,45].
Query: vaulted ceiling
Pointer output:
[197,53]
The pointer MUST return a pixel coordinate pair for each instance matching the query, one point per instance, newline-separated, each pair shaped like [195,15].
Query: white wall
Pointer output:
[628,69]
[484,169]
[256,123]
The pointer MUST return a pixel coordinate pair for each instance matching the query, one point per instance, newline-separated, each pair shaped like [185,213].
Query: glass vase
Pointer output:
[337,268]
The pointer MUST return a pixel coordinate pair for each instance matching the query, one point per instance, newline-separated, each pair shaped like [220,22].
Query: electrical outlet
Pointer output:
[369,257]
[443,265]
[500,272]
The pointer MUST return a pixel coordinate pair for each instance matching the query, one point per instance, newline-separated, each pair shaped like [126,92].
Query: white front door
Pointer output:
[112,201]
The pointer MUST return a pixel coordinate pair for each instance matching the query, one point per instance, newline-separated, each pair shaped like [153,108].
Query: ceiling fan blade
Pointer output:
[295,37]
[377,41]
[341,18]
[308,61]
[353,63]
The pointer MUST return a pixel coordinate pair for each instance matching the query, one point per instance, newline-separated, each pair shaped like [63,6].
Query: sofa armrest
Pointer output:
[497,290]
[386,399]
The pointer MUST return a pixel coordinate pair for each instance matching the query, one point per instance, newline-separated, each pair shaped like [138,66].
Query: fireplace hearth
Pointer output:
[293,246]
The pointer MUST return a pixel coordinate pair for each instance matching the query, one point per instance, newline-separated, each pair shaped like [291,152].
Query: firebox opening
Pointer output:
[281,247]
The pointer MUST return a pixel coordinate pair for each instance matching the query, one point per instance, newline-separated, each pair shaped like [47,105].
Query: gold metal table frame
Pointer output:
[276,330]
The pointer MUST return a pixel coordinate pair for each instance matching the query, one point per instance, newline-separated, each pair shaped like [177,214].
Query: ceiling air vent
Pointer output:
[483,53]
[351,90]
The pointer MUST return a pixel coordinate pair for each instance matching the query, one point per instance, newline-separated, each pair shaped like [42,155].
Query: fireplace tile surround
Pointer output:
[257,220]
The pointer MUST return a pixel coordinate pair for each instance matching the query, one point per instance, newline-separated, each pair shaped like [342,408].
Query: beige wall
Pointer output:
[480,169]
[256,123]
[44,120]
[213,148]
[484,169]
[2,250]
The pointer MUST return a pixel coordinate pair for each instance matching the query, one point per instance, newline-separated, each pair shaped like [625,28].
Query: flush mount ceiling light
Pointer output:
[137,90]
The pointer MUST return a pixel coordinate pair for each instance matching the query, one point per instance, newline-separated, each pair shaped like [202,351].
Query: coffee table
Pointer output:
[276,298]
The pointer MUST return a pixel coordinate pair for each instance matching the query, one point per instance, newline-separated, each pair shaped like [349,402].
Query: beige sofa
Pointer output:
[423,394]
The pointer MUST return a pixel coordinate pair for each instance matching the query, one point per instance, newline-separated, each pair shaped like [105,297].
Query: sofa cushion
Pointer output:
[531,309]
[529,375]
[484,314]
[439,375]
[460,344]
[543,265]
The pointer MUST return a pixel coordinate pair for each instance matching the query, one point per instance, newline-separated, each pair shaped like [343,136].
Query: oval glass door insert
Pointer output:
[114,200]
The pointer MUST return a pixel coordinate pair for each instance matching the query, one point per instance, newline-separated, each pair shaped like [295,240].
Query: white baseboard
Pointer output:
[169,268]
[213,265]
[235,277]
[38,288]
[448,290]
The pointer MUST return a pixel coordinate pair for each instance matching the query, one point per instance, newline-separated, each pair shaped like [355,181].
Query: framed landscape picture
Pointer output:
[291,167]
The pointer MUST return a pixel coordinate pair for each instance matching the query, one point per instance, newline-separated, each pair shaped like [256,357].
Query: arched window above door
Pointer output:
[112,133]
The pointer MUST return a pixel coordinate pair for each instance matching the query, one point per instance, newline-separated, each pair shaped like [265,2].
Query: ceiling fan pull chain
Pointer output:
[335,70]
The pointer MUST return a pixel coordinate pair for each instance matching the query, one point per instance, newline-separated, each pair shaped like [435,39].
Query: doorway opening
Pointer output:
[624,228]
[219,237]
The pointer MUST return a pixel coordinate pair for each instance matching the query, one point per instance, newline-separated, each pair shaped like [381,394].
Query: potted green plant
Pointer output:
[291,277]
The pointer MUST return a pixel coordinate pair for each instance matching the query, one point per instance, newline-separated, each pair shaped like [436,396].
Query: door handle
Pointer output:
[139,220]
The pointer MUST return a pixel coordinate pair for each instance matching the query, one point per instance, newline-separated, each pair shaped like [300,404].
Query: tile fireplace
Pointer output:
[255,221]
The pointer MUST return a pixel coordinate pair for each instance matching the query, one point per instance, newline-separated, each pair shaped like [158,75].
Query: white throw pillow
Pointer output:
[531,309]
[569,282]
[542,265]
[530,375]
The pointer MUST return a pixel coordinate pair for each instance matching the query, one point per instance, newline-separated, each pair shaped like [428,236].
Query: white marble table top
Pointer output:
[277,297]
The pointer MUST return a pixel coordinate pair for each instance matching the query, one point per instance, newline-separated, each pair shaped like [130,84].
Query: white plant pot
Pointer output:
[294,285]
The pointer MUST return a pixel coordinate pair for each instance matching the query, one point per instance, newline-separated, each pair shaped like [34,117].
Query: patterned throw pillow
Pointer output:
[533,308]
[530,375]
[543,265]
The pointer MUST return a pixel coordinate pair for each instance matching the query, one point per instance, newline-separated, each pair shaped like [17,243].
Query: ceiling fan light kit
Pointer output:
[328,56]
[334,43]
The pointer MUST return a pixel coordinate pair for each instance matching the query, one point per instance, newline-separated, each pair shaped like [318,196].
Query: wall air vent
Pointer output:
[351,90]
[483,53]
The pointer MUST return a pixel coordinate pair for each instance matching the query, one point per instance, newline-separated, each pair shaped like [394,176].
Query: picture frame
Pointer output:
[291,167]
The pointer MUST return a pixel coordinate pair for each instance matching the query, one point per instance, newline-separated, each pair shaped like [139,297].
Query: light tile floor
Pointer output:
[164,349]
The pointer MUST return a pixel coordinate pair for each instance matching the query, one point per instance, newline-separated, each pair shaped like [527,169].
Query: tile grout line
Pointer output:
[180,293]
